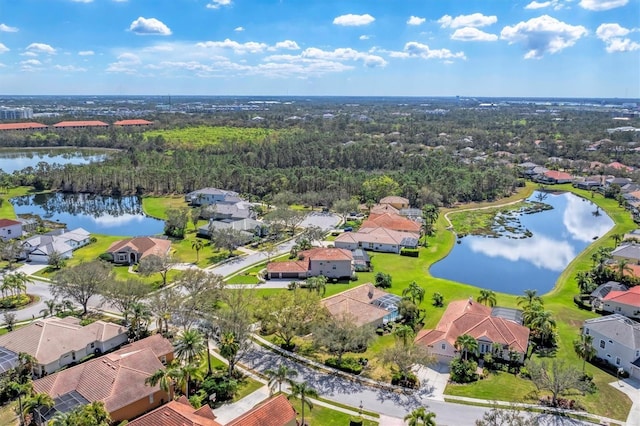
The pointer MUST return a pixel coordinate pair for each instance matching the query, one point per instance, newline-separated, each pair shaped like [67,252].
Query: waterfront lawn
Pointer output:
[157,206]
[6,208]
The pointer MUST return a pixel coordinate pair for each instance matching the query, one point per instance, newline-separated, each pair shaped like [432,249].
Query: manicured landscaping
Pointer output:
[17,301]
[157,206]
[6,208]
[323,416]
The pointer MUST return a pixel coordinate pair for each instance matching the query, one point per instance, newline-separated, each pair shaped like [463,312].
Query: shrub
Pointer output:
[409,252]
[223,386]
[464,371]
[106,256]
[348,365]
[356,421]
[407,380]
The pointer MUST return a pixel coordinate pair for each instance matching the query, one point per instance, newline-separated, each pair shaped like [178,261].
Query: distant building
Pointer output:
[133,123]
[19,113]
[328,262]
[80,124]
[23,126]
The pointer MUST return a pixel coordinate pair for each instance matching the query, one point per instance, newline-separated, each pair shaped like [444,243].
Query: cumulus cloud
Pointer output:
[217,4]
[473,20]
[613,36]
[351,20]
[30,65]
[69,68]
[239,48]
[36,48]
[149,26]
[600,5]
[415,20]
[238,29]
[414,49]
[4,28]
[552,4]
[345,54]
[3,48]
[126,63]
[86,53]
[472,34]
[82,1]
[543,35]
[364,37]
[287,45]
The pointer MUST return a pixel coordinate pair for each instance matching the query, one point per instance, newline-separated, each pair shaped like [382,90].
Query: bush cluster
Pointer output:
[464,371]
[348,365]
[407,380]
[409,252]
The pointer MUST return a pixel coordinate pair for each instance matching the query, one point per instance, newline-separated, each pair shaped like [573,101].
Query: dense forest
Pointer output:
[428,154]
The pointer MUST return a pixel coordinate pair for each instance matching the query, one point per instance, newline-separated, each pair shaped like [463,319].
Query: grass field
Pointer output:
[157,206]
[8,415]
[323,416]
[208,135]
[6,208]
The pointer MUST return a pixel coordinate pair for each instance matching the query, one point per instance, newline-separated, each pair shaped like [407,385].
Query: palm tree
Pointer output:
[61,419]
[584,348]
[50,306]
[529,297]
[430,214]
[140,316]
[414,292]
[487,297]
[585,282]
[404,333]
[601,257]
[22,280]
[190,346]
[617,238]
[319,284]
[304,392]
[622,266]
[197,245]
[19,390]
[420,417]
[34,405]
[166,378]
[466,344]
[543,325]
[97,412]
[229,347]
[185,374]
[280,375]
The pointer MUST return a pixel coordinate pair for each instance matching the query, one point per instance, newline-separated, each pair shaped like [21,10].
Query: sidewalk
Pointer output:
[631,387]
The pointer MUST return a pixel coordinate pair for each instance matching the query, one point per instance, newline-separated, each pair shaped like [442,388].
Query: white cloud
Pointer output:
[238,29]
[127,63]
[32,62]
[543,35]
[345,54]
[473,20]
[351,20]
[217,4]
[7,29]
[86,53]
[364,37]
[414,49]
[150,26]
[472,34]
[553,4]
[613,35]
[239,48]
[415,20]
[287,44]
[3,48]
[36,48]
[30,65]
[69,68]
[599,5]
[82,1]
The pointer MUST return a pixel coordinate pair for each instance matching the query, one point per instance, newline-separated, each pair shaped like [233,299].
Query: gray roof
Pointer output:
[212,191]
[528,165]
[603,289]
[618,328]
[628,251]
[248,225]
[8,360]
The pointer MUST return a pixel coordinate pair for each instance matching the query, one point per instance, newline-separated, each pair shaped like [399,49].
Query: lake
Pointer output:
[18,159]
[512,265]
[95,213]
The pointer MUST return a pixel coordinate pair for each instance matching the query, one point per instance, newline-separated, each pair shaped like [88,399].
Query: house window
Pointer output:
[93,345]
[163,359]
[9,231]
[617,360]
[73,355]
[443,347]
[602,344]
[618,308]
[334,266]
[151,399]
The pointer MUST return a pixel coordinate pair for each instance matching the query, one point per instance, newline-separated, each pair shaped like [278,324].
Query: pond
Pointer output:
[18,159]
[95,213]
[512,264]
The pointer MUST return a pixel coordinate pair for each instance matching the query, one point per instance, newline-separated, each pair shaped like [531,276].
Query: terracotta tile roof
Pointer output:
[357,303]
[177,413]
[90,123]
[377,235]
[394,199]
[145,246]
[383,208]
[22,126]
[467,317]
[391,221]
[321,253]
[293,266]
[619,166]
[158,345]
[135,122]
[48,339]
[8,222]
[557,175]
[630,297]
[276,411]
[117,379]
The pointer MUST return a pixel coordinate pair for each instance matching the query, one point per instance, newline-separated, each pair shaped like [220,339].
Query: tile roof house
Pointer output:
[365,304]
[116,379]
[275,411]
[553,177]
[616,340]
[10,229]
[377,239]
[235,211]
[177,413]
[23,126]
[391,221]
[56,343]
[79,124]
[625,302]
[395,201]
[134,123]
[329,262]
[132,250]
[483,323]
[602,290]
[383,208]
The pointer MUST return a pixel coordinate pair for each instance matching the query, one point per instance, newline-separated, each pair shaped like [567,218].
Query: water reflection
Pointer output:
[95,213]
[11,161]
[513,265]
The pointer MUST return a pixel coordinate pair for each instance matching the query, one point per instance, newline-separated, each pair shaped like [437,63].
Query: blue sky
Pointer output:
[568,48]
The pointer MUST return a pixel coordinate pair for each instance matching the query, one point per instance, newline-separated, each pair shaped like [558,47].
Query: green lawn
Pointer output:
[157,206]
[323,416]
[6,208]
[8,415]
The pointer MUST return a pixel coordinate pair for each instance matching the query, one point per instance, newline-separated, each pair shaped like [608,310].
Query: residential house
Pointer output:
[132,250]
[208,196]
[603,290]
[275,411]
[117,379]
[391,221]
[8,360]
[231,211]
[365,304]
[395,201]
[624,302]
[487,325]
[177,413]
[329,262]
[377,239]
[382,209]
[627,251]
[56,343]
[10,229]
[617,181]
[554,177]
[619,166]
[38,248]
[632,235]
[361,260]
[616,340]
[249,227]
[527,169]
